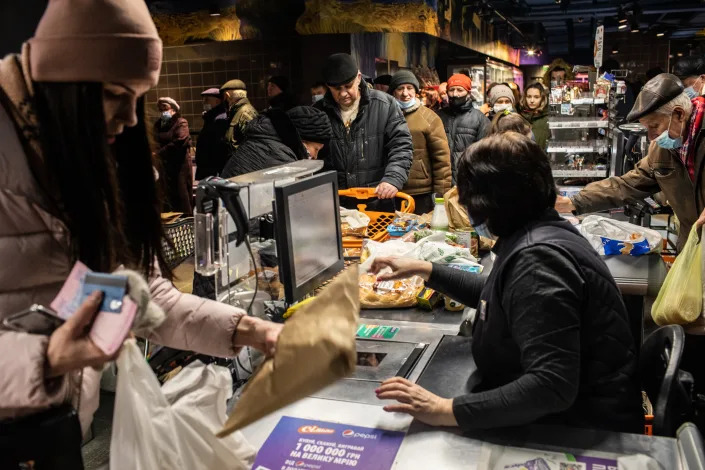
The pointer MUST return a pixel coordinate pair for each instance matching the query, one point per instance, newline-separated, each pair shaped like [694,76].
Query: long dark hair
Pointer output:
[544,98]
[107,196]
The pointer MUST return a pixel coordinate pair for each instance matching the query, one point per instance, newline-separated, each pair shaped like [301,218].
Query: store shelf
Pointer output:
[582,147]
[577,124]
[579,173]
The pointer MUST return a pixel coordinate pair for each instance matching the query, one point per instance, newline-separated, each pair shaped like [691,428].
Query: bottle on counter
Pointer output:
[439,221]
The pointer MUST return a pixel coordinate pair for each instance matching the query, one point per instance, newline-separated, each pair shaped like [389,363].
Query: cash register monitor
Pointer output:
[308,233]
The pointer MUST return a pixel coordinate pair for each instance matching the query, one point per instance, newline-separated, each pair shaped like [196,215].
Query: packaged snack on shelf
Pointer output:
[389,294]
[354,223]
[428,298]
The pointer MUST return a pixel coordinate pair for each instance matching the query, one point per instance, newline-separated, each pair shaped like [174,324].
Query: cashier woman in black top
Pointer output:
[551,338]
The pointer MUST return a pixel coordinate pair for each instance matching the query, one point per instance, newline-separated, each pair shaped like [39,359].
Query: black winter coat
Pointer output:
[266,144]
[464,126]
[211,148]
[174,141]
[377,147]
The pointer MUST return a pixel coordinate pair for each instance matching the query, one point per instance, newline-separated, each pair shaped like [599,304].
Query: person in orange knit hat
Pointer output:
[464,124]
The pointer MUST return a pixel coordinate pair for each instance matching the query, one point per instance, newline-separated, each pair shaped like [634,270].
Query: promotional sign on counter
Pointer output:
[297,444]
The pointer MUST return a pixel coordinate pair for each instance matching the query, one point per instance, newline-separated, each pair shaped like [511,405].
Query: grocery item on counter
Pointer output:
[469,239]
[436,249]
[439,221]
[421,234]
[405,223]
[389,294]
[453,305]
[354,223]
[614,237]
[469,268]
[428,298]
[352,252]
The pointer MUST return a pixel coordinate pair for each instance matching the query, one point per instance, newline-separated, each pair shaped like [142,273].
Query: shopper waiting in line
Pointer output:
[276,137]
[211,149]
[381,83]
[430,170]
[507,121]
[171,134]
[433,99]
[558,72]
[673,164]
[371,144]
[77,185]
[240,112]
[534,108]
[464,125]
[443,94]
[500,98]
[551,338]
[318,91]
[691,71]
[279,93]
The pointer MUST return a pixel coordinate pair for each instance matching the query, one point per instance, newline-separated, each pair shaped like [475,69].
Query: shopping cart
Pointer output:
[379,221]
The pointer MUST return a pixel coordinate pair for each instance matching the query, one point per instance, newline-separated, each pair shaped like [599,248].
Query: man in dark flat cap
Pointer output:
[371,143]
[674,163]
[211,148]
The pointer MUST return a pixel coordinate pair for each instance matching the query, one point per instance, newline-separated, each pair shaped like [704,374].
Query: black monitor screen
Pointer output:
[308,233]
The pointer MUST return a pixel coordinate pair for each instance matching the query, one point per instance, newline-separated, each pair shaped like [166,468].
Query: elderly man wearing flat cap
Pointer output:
[371,143]
[673,165]
[211,148]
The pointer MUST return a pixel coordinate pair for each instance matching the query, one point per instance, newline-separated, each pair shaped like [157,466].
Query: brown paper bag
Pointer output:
[315,348]
[458,218]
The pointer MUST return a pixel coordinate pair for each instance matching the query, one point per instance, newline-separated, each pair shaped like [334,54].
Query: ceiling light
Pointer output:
[615,51]
[660,34]
[530,52]
[214,10]
[680,54]
[621,16]
[634,26]
[622,26]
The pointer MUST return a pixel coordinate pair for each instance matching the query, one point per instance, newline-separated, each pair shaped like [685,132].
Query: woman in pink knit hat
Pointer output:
[76,184]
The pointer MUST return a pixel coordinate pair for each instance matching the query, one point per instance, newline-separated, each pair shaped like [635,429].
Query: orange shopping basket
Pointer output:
[379,221]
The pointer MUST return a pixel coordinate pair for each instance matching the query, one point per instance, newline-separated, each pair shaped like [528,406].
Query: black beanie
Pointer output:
[383,80]
[281,81]
[402,77]
[339,69]
[312,124]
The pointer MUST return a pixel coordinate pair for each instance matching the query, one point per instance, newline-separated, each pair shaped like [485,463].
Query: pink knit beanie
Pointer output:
[95,41]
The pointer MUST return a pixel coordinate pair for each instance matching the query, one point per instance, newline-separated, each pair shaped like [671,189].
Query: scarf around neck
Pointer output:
[687,151]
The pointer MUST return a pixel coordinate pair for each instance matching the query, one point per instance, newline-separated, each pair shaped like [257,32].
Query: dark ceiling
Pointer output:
[561,27]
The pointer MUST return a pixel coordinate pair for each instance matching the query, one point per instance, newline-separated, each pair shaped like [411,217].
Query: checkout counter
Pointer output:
[424,347]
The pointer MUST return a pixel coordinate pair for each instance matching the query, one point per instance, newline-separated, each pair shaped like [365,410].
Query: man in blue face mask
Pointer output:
[673,165]
[430,170]
[691,71]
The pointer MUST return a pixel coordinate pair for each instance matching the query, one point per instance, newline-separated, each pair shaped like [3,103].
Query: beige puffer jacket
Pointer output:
[34,249]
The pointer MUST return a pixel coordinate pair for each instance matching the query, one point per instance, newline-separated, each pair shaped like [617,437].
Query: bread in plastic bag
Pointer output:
[614,237]
[389,294]
[680,300]
[353,223]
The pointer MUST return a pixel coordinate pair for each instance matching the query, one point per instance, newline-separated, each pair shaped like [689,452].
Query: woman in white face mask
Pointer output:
[172,136]
[501,98]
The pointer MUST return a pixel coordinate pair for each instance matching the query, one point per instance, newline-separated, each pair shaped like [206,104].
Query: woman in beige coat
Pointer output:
[430,171]
[76,183]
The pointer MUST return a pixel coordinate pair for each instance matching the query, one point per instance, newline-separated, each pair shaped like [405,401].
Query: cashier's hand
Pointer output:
[564,205]
[386,191]
[417,401]
[401,268]
[257,333]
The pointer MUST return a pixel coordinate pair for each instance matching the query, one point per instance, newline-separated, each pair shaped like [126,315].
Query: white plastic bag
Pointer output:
[435,249]
[613,237]
[173,427]
[372,249]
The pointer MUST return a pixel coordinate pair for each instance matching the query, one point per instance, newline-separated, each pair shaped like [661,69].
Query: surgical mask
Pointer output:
[316,98]
[406,104]
[166,115]
[482,230]
[498,108]
[690,91]
[457,101]
[207,107]
[667,142]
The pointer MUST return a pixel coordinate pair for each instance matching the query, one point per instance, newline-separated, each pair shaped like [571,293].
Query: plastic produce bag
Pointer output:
[680,299]
[435,249]
[372,249]
[172,427]
[613,237]
[354,223]
[389,294]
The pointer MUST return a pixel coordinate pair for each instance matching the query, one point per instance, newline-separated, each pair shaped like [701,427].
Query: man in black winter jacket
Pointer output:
[464,124]
[211,149]
[371,144]
[276,137]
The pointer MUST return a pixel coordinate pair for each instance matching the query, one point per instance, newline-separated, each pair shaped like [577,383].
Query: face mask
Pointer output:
[316,98]
[166,115]
[482,230]
[666,142]
[498,108]
[207,107]
[457,101]
[406,104]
